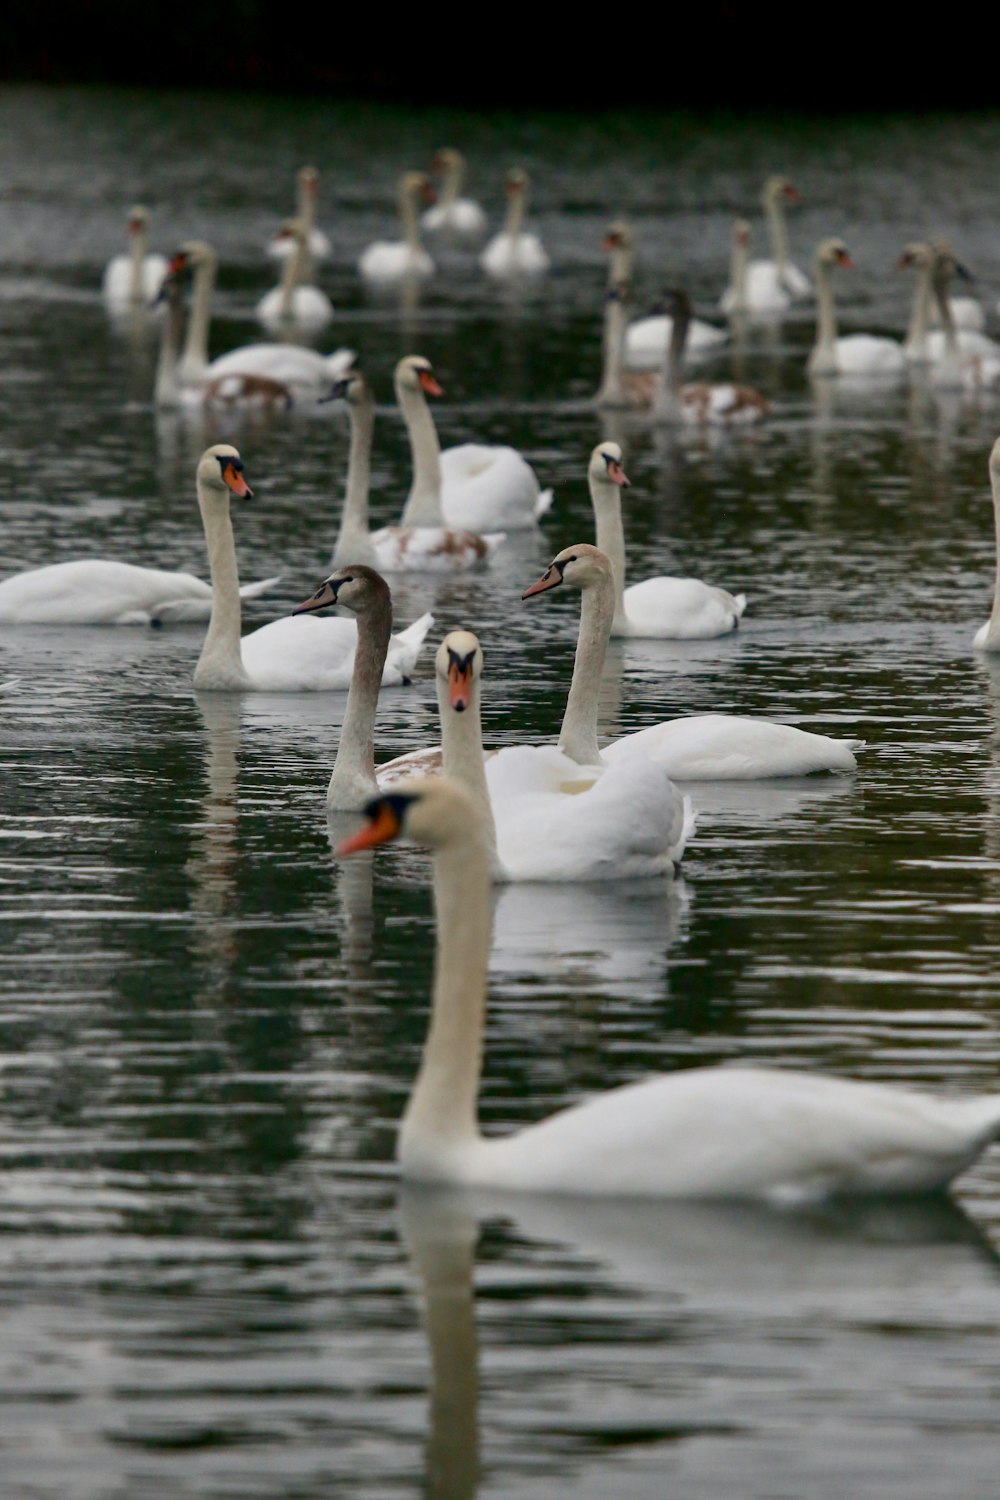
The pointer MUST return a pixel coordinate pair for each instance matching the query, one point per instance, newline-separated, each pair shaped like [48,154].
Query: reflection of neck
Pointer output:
[195,357]
[440,1120]
[423,508]
[353,544]
[353,776]
[462,752]
[220,665]
[607,502]
[578,737]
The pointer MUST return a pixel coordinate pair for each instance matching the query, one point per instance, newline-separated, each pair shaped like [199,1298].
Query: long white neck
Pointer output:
[607,502]
[462,754]
[410,217]
[993,632]
[441,1117]
[739,259]
[194,360]
[610,392]
[578,737]
[166,387]
[353,777]
[778,230]
[950,369]
[138,244]
[353,544]
[220,665]
[916,336]
[621,263]
[306,213]
[423,507]
[292,275]
[824,352]
[516,207]
[667,399]
[452,185]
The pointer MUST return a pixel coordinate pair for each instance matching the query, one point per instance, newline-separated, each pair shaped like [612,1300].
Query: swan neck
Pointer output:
[610,392]
[410,217]
[738,262]
[441,1117]
[516,207]
[578,738]
[139,243]
[916,336]
[291,277]
[353,544]
[353,775]
[452,185]
[993,633]
[607,502]
[826,318]
[778,231]
[667,402]
[194,360]
[462,753]
[166,387]
[221,664]
[423,507]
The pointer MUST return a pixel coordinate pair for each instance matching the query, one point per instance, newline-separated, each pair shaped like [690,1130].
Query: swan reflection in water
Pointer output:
[811,1316]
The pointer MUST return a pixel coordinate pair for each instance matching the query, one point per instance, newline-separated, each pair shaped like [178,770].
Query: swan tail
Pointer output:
[544,503]
[254,590]
[493,540]
[855,745]
[340,362]
[740,600]
[9,683]
[413,637]
[690,823]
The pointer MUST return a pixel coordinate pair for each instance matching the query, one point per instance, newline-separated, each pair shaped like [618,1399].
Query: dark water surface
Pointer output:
[210,1284]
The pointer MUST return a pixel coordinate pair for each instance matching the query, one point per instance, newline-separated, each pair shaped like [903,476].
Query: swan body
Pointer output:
[857,354]
[280,246]
[732,1132]
[388,261]
[546,817]
[647,340]
[477,487]
[514,253]
[987,637]
[294,305]
[453,217]
[393,549]
[99,591]
[133,280]
[700,403]
[766,287]
[658,608]
[704,747]
[290,655]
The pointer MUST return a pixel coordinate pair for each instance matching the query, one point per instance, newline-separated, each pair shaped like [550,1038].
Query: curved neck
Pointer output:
[353,775]
[138,242]
[408,214]
[916,335]
[166,387]
[610,392]
[775,211]
[441,1116]
[462,753]
[353,544]
[194,360]
[423,507]
[578,736]
[220,664]
[515,214]
[607,502]
[826,318]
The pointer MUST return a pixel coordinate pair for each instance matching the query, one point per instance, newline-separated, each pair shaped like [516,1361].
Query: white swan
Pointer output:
[547,818]
[704,747]
[304,372]
[923,344]
[171,393]
[294,654]
[700,403]
[770,286]
[658,608]
[295,305]
[280,246]
[703,1132]
[406,259]
[133,280]
[514,252]
[645,340]
[393,549]
[453,217]
[987,637]
[479,487]
[862,354]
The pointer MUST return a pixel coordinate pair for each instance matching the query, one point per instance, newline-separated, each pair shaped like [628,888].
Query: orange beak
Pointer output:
[459,687]
[428,383]
[176,263]
[611,241]
[550,579]
[383,827]
[843,259]
[235,480]
[792,194]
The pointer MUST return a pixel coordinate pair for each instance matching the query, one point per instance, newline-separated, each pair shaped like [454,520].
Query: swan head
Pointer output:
[676,302]
[618,236]
[416,186]
[191,255]
[308,181]
[138,219]
[355,587]
[220,469]
[916,253]
[780,187]
[579,567]
[833,252]
[606,466]
[516,182]
[292,229]
[741,233]
[352,388]
[447,160]
[431,810]
[459,664]
[415,373]
[946,263]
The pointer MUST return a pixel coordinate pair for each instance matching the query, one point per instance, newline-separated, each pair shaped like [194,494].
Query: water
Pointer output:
[211,1285]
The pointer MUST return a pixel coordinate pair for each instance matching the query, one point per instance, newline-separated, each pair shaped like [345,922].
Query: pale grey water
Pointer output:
[210,1285]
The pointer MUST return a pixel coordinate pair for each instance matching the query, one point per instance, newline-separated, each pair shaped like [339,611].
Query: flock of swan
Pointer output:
[571,809]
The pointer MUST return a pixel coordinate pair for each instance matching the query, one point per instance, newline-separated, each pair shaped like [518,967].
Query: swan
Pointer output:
[619,245]
[547,818]
[703,747]
[858,353]
[453,217]
[405,259]
[734,1132]
[657,608]
[514,252]
[702,403]
[924,345]
[476,486]
[766,286]
[305,372]
[645,339]
[132,280]
[987,637]
[393,549]
[294,304]
[280,246]
[620,387]
[170,393]
[289,655]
